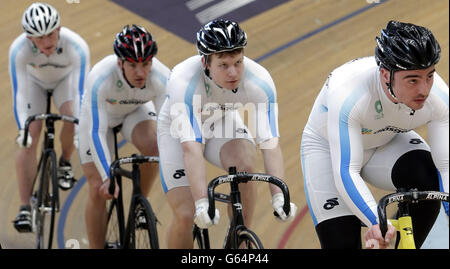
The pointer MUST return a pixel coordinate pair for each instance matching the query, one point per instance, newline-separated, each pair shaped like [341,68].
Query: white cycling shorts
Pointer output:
[323,199]
[171,163]
[128,121]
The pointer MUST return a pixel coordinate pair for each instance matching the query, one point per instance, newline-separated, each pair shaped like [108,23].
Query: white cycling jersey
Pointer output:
[109,100]
[64,72]
[352,116]
[197,109]
[195,102]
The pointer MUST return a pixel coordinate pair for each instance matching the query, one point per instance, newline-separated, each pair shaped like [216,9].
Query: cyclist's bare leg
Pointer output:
[67,131]
[144,138]
[26,164]
[96,215]
[241,153]
[179,231]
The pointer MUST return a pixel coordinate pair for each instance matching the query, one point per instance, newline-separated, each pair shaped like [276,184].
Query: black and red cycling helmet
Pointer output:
[135,44]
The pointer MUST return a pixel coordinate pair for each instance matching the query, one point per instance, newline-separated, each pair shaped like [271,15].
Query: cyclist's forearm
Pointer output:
[273,164]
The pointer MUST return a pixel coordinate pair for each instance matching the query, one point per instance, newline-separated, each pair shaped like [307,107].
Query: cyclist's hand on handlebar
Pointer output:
[277,203]
[104,190]
[374,240]
[21,137]
[201,217]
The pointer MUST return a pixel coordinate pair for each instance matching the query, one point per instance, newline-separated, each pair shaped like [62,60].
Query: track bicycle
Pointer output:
[139,231]
[44,199]
[238,234]
[404,222]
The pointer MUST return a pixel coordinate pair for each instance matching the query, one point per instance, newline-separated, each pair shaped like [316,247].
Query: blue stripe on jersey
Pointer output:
[347,180]
[82,55]
[14,79]
[443,95]
[188,99]
[161,77]
[314,219]
[271,98]
[95,122]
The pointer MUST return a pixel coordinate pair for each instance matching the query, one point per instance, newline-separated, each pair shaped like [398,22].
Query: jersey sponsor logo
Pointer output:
[111,101]
[119,84]
[366,131]
[132,102]
[393,129]
[379,110]
[126,102]
[179,173]
[415,141]
[331,203]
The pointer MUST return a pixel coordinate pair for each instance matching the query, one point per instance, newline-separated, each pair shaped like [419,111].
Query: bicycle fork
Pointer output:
[404,226]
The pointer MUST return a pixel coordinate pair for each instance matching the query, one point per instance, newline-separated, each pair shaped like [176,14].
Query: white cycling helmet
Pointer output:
[40,19]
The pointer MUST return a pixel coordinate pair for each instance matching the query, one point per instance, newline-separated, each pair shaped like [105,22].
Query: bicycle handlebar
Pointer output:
[243,177]
[408,196]
[115,168]
[51,116]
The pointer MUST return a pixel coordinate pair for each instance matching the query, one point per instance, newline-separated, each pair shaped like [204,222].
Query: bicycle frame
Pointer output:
[404,222]
[237,220]
[116,173]
[47,152]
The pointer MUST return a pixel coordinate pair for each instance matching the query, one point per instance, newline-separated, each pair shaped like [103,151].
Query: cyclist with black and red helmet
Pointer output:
[45,57]
[361,128]
[126,89]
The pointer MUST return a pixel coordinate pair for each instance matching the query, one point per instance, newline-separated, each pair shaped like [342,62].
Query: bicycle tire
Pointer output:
[46,202]
[114,225]
[142,233]
[250,240]
[201,237]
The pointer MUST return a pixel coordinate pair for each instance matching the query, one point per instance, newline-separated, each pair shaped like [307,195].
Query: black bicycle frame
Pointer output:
[234,178]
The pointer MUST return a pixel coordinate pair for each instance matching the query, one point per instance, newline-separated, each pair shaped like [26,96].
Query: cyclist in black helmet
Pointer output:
[126,88]
[199,120]
[361,129]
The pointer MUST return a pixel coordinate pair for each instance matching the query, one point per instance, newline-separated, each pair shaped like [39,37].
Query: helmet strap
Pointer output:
[389,85]
[205,69]
[125,76]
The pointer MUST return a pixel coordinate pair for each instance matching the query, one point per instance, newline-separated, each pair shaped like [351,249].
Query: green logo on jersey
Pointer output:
[208,90]
[35,50]
[379,110]
[119,84]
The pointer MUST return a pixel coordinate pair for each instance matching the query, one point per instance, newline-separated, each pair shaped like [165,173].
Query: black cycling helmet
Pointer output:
[134,44]
[220,35]
[405,46]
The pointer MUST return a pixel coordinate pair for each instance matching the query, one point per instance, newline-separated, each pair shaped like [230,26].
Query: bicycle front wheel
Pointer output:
[201,237]
[249,240]
[44,202]
[142,225]
[114,225]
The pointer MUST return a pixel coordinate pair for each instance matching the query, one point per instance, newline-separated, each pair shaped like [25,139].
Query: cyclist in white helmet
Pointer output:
[45,57]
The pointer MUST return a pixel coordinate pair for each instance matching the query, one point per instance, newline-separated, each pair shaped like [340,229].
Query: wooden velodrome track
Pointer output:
[299,42]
